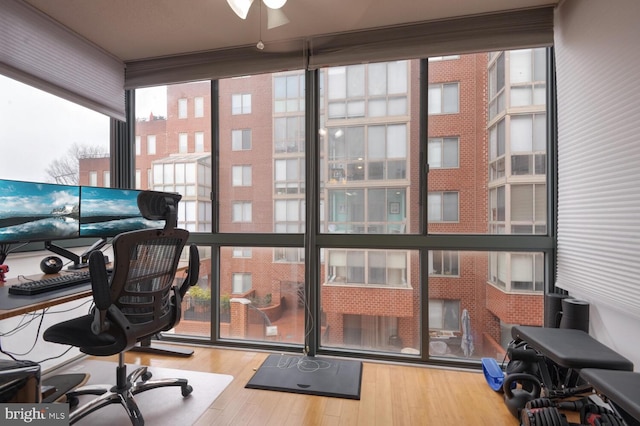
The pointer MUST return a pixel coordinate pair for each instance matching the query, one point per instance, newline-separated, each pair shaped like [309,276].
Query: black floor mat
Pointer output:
[309,375]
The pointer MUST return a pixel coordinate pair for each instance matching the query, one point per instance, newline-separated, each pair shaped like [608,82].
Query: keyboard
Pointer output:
[60,282]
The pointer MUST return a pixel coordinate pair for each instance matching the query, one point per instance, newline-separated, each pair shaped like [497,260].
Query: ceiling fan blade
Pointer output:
[276,18]
[240,7]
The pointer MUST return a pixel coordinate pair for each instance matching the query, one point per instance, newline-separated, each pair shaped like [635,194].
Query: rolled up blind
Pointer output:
[38,51]
[216,64]
[496,31]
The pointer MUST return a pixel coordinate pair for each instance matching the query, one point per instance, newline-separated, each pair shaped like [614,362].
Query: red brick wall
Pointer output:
[524,309]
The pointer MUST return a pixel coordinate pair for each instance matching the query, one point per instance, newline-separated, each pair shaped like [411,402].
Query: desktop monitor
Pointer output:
[107,212]
[32,211]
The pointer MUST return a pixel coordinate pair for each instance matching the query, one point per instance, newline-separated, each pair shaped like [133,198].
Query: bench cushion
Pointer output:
[620,387]
[571,348]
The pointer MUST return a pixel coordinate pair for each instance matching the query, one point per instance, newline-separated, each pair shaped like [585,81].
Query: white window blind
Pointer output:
[599,154]
[38,51]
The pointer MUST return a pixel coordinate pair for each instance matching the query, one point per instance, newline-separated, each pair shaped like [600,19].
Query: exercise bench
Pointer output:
[569,349]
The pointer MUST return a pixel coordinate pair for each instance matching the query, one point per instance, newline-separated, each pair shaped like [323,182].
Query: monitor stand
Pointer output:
[79,261]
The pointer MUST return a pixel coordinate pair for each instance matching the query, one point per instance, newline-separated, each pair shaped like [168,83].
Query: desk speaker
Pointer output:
[575,314]
[51,265]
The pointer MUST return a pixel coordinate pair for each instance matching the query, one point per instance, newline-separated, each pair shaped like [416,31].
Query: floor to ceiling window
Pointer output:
[388,281]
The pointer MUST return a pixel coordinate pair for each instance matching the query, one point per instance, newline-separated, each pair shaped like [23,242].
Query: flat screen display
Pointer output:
[107,212]
[32,211]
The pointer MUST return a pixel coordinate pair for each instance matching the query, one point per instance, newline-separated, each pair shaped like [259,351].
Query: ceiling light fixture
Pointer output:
[275,16]
[240,7]
[274,4]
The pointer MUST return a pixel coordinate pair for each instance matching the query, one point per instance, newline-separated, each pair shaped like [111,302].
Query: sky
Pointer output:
[28,198]
[36,128]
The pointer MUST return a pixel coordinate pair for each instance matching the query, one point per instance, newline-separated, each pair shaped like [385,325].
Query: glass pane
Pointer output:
[258,303]
[386,286]
[472,305]
[365,156]
[272,165]
[514,136]
[157,116]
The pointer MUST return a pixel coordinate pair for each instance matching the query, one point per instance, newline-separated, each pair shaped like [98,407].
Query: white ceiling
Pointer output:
[138,29]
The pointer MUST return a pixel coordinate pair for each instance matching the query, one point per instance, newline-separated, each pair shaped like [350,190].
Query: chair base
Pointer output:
[123,393]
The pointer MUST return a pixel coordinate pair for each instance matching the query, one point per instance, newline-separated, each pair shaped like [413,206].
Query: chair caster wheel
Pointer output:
[186,390]
[73,402]
[146,376]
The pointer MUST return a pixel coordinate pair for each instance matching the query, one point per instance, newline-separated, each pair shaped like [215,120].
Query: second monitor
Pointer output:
[107,212]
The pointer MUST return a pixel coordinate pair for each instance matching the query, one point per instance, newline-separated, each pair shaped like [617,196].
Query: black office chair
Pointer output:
[138,300]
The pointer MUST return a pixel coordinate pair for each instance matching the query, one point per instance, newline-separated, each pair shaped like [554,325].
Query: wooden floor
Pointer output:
[391,395]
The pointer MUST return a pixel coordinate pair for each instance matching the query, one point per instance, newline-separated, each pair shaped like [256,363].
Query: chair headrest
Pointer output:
[156,205]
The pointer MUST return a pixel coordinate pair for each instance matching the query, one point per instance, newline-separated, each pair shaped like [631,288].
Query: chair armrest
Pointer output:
[101,291]
[193,270]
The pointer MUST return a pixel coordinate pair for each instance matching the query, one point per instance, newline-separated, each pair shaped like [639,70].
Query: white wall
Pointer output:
[598,59]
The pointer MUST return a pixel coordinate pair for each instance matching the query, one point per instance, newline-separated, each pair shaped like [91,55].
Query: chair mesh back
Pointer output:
[144,295]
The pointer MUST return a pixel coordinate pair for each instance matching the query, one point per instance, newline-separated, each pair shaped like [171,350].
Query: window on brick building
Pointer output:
[242,211]
[444,98]
[288,255]
[496,84]
[527,73]
[182,108]
[444,153]
[528,144]
[183,143]
[241,282]
[443,262]
[497,150]
[517,272]
[288,134]
[151,144]
[288,93]
[242,252]
[241,104]
[199,141]
[198,107]
[444,314]
[138,184]
[289,216]
[371,267]
[241,139]
[241,175]
[443,58]
[373,90]
[289,176]
[442,206]
[528,209]
[367,211]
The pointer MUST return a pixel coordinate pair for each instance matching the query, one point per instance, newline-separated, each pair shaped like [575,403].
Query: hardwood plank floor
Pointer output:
[391,394]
